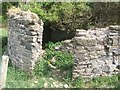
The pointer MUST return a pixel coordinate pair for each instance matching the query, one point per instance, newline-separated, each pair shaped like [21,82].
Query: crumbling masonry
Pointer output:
[25,39]
[96,51]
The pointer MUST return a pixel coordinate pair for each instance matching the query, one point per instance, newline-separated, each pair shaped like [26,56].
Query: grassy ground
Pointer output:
[99,82]
[19,79]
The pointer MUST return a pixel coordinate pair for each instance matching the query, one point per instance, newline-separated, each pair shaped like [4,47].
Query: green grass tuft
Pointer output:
[3,32]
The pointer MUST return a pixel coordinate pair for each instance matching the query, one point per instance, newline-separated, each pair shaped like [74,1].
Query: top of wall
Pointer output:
[25,16]
[97,31]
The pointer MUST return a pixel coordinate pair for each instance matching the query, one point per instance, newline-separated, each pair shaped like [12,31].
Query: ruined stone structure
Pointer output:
[25,39]
[96,51]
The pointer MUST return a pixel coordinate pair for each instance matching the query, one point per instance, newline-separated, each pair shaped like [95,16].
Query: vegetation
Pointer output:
[3,40]
[19,79]
[62,61]
[5,6]
[98,82]
[72,15]
[3,32]
[16,78]
[63,16]
[104,14]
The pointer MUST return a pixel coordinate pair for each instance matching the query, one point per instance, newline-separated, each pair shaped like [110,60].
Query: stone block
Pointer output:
[89,48]
[81,57]
[31,38]
[106,69]
[113,34]
[80,32]
[30,33]
[80,48]
[83,41]
[117,27]
[115,40]
[99,47]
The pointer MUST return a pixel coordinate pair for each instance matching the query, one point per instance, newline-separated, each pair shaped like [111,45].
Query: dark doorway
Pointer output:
[55,35]
[47,34]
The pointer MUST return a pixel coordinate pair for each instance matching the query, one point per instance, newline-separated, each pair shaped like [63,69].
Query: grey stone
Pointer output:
[31,33]
[95,70]
[117,27]
[23,47]
[106,69]
[89,51]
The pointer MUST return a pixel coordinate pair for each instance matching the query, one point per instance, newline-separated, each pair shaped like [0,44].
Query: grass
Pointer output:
[98,82]
[3,36]
[3,32]
[103,82]
[16,78]
[3,21]
[3,40]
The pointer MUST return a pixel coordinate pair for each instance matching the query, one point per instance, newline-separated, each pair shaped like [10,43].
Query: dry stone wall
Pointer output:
[25,39]
[96,51]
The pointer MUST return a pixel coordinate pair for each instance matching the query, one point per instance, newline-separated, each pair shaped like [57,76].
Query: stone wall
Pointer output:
[25,39]
[96,51]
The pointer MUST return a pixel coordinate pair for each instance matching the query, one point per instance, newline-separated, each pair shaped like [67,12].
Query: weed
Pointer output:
[62,61]
[41,68]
